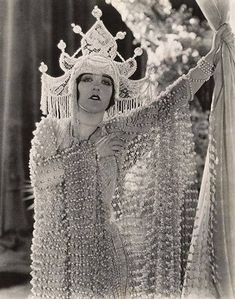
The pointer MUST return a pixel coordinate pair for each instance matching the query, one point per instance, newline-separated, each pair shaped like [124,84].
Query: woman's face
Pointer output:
[95,91]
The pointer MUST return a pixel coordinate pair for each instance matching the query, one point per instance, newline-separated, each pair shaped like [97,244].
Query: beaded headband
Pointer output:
[98,49]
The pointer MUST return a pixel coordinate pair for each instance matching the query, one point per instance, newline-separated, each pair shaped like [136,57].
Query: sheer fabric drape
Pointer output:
[211,265]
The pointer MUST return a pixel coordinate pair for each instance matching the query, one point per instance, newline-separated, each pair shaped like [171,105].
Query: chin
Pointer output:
[94,108]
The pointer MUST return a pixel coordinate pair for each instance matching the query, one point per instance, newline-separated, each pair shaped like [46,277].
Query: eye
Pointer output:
[86,78]
[107,81]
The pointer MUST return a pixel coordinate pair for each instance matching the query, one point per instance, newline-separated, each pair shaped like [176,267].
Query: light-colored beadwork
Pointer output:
[117,227]
[198,75]
[206,67]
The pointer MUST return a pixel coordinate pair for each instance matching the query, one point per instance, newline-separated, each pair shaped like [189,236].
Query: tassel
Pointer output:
[58,107]
[44,104]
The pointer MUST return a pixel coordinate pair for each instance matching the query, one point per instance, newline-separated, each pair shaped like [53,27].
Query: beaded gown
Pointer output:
[120,226]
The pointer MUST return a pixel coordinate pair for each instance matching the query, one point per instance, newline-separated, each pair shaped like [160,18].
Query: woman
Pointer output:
[90,240]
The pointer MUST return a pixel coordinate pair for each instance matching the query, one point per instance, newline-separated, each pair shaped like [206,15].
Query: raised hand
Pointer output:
[223,34]
[109,145]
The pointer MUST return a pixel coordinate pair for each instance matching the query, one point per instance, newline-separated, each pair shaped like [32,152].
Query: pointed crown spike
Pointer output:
[138,52]
[43,67]
[96,12]
[77,29]
[120,35]
[61,45]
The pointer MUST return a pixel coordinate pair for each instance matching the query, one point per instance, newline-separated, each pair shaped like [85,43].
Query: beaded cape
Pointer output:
[118,227]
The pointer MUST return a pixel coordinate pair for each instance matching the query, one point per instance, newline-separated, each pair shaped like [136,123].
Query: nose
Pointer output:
[97,82]
[96,86]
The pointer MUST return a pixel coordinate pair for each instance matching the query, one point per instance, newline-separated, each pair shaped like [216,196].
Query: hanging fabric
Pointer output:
[211,265]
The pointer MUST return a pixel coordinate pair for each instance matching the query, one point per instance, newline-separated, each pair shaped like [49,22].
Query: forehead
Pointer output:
[97,75]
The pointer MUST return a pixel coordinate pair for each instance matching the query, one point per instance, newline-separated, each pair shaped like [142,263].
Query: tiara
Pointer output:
[97,45]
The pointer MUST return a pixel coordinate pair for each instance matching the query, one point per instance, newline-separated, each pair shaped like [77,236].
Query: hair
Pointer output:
[112,99]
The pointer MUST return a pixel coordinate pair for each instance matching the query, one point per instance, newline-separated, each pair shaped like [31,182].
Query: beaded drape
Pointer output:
[152,210]
[211,267]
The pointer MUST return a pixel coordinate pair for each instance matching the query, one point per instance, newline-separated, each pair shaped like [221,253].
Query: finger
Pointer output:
[227,35]
[106,153]
[118,133]
[102,140]
[117,148]
[222,28]
[109,153]
[117,139]
[113,135]
[228,31]
[116,144]
[228,39]
[219,34]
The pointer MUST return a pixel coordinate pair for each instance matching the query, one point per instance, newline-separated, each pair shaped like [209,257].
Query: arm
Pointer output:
[183,89]
[206,66]
[45,168]
[201,73]
[165,105]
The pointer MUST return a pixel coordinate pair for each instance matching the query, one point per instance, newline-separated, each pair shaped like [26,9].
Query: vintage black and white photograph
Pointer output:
[117,147]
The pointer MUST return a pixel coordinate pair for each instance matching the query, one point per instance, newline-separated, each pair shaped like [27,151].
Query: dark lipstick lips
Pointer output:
[95,98]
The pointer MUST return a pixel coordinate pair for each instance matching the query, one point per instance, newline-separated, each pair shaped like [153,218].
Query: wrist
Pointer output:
[206,65]
[212,57]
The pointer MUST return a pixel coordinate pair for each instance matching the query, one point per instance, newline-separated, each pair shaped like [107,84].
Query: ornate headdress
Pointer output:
[99,49]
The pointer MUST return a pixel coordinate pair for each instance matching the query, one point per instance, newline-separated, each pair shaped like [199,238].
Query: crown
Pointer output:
[97,41]
[96,44]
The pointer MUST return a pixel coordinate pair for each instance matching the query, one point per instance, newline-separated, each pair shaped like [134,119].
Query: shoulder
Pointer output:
[45,130]
[48,134]
[44,141]
[51,127]
[44,125]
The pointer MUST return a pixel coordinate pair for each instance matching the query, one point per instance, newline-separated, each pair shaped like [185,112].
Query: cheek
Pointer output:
[108,93]
[107,96]
[81,92]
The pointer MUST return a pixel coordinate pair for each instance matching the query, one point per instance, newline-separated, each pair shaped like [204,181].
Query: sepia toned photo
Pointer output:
[117,149]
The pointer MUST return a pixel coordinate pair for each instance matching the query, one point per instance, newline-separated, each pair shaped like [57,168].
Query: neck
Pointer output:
[88,122]
[89,119]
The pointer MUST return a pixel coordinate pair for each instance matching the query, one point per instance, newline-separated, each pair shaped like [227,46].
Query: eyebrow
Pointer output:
[106,76]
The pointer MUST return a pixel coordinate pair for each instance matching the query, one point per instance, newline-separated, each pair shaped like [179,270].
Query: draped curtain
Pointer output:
[18,92]
[211,267]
